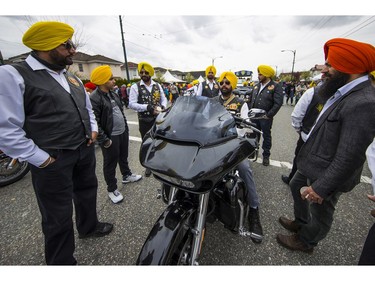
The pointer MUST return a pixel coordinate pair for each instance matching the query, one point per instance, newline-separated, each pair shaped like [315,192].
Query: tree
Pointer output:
[159,77]
[189,77]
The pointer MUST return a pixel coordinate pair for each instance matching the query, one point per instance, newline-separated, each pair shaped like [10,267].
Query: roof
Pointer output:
[82,57]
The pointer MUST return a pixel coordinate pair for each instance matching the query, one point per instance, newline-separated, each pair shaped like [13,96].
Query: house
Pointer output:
[83,64]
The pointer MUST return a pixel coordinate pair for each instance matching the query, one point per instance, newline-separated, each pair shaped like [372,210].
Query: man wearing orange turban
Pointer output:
[331,160]
[267,95]
[113,136]
[147,98]
[237,106]
[47,120]
[209,87]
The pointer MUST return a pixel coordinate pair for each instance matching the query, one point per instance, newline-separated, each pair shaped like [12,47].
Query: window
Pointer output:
[80,66]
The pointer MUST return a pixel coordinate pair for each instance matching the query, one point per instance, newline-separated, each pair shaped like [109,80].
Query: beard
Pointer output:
[332,83]
[146,78]
[226,92]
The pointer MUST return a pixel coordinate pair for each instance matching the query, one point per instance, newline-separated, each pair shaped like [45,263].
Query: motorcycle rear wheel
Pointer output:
[9,176]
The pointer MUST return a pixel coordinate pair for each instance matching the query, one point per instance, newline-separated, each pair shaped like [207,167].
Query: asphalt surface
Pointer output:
[21,238]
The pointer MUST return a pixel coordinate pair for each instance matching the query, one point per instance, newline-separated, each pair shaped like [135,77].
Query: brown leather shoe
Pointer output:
[292,242]
[289,224]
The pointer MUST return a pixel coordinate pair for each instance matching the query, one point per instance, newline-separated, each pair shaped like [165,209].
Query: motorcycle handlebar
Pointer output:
[244,123]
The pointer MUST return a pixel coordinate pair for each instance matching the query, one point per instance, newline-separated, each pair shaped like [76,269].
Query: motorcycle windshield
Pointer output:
[196,119]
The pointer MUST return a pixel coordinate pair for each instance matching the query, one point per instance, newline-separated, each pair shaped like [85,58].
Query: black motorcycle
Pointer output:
[193,150]
[11,170]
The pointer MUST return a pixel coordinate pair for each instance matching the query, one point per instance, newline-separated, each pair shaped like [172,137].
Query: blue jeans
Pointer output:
[246,175]
[315,219]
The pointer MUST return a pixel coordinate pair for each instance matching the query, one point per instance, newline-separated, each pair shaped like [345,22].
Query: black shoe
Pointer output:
[101,229]
[266,161]
[255,228]
[285,179]
[147,173]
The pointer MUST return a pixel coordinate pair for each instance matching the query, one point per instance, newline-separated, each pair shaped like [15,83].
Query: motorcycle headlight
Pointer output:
[175,181]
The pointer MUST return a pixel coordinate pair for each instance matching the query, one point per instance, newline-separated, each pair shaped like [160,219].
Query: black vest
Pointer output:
[145,97]
[207,92]
[54,118]
[312,112]
[233,105]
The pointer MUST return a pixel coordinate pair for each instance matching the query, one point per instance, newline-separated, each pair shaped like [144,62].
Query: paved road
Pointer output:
[21,239]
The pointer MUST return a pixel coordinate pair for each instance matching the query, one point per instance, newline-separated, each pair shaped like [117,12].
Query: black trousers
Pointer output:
[368,252]
[265,125]
[300,142]
[71,178]
[145,125]
[116,153]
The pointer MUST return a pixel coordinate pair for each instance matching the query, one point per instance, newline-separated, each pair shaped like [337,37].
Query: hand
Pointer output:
[307,193]
[93,138]
[107,144]
[47,162]
[372,198]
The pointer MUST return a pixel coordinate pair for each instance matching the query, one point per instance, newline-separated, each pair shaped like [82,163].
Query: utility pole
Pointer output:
[123,47]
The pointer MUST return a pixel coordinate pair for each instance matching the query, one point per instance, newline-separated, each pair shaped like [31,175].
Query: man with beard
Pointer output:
[209,87]
[235,105]
[267,95]
[303,118]
[331,160]
[46,119]
[113,134]
[148,99]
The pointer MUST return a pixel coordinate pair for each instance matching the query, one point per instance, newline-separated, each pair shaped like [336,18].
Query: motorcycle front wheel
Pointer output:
[180,252]
[17,172]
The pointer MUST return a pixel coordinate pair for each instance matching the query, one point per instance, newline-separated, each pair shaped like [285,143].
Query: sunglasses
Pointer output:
[69,45]
[144,72]
[224,82]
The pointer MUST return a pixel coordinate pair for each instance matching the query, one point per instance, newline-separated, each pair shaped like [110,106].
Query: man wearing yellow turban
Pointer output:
[147,98]
[113,136]
[331,160]
[236,105]
[209,87]
[47,120]
[267,95]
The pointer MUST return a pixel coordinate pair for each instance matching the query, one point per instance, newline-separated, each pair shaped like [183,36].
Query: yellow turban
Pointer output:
[266,70]
[47,35]
[101,75]
[146,66]
[231,77]
[212,69]
[372,74]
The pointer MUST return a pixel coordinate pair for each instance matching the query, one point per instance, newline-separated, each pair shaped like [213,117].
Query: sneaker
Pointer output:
[285,179]
[255,228]
[131,178]
[115,196]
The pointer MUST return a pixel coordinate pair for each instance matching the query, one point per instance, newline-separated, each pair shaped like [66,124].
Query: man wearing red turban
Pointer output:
[331,160]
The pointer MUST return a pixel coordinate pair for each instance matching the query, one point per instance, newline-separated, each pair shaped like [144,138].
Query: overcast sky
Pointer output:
[169,39]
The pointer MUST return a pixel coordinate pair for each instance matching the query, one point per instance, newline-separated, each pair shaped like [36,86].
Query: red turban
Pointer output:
[350,56]
[90,85]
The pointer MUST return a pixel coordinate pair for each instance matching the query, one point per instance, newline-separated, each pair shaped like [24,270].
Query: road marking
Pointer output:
[279,164]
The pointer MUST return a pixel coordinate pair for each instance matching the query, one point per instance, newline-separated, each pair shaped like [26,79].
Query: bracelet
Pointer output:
[49,162]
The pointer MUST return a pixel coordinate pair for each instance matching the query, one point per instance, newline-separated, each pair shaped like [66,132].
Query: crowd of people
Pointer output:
[51,120]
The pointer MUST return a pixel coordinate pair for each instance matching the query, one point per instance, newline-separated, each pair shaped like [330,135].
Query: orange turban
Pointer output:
[47,35]
[231,77]
[101,75]
[212,69]
[350,56]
